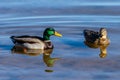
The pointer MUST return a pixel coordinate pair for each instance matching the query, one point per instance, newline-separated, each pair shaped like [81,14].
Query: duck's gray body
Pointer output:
[31,42]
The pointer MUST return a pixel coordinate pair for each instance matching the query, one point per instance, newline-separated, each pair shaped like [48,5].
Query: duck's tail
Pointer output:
[12,38]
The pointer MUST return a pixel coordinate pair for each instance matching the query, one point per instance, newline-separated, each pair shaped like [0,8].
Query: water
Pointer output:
[70,18]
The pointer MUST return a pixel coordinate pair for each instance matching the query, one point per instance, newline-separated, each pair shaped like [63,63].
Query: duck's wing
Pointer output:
[91,36]
[26,39]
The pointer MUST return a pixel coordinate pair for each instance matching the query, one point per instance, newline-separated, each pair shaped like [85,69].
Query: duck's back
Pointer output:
[26,39]
[91,36]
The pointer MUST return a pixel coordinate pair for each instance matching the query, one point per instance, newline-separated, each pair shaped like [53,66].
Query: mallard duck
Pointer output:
[96,39]
[35,42]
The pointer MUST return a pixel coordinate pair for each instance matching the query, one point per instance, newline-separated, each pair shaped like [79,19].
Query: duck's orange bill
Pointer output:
[58,34]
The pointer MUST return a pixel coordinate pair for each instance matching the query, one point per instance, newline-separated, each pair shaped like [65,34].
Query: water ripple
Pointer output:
[58,20]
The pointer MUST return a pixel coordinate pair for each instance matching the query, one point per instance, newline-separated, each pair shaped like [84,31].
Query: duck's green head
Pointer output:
[49,32]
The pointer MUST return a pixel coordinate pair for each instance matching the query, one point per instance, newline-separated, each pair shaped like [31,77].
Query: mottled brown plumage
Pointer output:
[96,39]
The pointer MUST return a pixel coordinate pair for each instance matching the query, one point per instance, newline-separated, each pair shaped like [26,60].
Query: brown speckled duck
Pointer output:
[99,39]
[35,42]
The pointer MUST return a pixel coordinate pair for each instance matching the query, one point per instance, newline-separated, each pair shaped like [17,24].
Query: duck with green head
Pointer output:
[35,42]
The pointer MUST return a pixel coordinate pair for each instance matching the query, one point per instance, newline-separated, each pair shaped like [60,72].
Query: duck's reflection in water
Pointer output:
[103,48]
[48,60]
[46,55]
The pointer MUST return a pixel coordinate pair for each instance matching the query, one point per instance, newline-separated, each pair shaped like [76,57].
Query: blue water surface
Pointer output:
[70,18]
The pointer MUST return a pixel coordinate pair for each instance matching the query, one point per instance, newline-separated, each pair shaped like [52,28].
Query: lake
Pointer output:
[74,60]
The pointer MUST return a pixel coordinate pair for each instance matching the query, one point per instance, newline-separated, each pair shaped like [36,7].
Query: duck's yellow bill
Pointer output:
[58,34]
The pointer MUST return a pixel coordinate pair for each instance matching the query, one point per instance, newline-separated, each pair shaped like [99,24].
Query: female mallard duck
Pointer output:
[35,42]
[99,39]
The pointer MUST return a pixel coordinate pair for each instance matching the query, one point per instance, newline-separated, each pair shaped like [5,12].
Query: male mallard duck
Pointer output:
[95,39]
[35,42]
